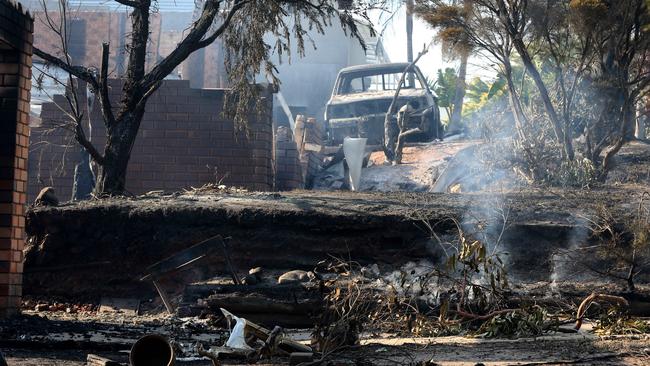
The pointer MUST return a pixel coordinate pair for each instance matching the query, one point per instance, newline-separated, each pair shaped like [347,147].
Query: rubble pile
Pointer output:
[288,305]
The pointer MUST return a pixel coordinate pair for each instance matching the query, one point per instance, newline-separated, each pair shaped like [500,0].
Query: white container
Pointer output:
[354,150]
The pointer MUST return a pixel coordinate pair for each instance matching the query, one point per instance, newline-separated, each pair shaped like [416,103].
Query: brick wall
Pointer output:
[184,141]
[288,171]
[298,156]
[16,29]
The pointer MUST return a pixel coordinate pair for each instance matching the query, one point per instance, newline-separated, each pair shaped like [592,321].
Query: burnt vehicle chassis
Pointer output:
[362,112]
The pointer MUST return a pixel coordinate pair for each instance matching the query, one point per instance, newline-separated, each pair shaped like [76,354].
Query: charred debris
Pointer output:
[361,265]
[329,215]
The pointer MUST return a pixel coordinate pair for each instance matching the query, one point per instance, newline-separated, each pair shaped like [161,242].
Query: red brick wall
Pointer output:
[184,141]
[15,81]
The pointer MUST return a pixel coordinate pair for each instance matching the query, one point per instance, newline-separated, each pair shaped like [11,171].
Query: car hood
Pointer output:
[386,94]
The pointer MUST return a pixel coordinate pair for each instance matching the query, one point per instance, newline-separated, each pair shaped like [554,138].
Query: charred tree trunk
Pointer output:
[619,118]
[457,111]
[563,137]
[111,177]
[392,128]
[122,132]
[515,103]
[619,140]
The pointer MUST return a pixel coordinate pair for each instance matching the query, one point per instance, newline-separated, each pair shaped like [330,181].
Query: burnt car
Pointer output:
[361,98]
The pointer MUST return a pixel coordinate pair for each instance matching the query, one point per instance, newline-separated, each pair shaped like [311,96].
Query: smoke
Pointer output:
[564,265]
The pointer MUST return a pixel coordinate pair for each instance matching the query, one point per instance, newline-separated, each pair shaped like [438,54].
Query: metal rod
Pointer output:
[163,296]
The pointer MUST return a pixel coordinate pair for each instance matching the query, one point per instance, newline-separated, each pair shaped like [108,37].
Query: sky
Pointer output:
[394,38]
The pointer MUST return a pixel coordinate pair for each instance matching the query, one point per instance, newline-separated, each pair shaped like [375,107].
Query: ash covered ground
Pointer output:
[388,245]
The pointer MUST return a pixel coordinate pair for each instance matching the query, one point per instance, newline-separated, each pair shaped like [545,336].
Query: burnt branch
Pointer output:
[107,112]
[131,3]
[74,111]
[80,136]
[81,72]
[194,40]
[222,28]
[152,89]
[392,146]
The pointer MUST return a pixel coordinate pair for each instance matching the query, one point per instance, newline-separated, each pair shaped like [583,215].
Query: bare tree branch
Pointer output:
[131,3]
[207,41]
[83,73]
[80,136]
[193,41]
[107,112]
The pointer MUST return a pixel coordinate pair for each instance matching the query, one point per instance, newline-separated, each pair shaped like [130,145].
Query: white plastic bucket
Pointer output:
[354,149]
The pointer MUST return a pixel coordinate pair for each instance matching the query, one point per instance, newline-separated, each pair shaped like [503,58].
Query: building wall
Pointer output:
[184,141]
[205,68]
[16,29]
[88,29]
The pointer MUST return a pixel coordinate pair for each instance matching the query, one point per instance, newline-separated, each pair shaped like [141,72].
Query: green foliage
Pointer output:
[470,265]
[525,322]
[445,89]
[479,94]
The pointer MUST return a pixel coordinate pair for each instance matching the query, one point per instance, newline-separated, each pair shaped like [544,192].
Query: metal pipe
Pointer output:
[152,350]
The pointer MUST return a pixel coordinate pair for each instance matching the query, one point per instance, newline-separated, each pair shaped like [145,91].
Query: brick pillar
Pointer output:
[288,169]
[16,29]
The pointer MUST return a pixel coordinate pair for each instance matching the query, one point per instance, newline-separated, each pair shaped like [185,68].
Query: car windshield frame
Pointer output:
[345,81]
